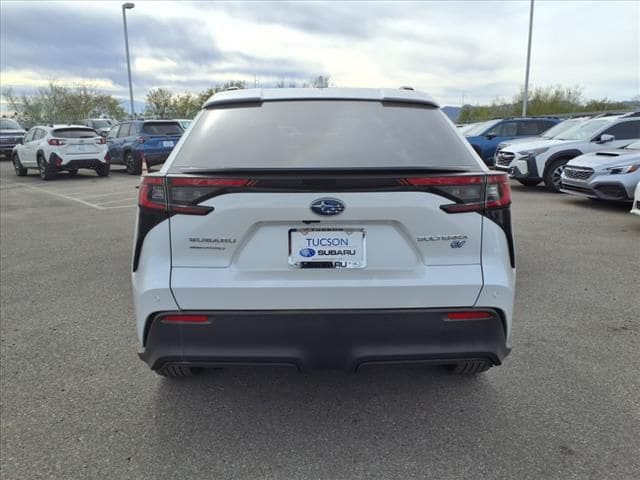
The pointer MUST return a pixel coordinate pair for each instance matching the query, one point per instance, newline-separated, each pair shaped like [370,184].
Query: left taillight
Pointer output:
[101,141]
[152,194]
[182,195]
[56,142]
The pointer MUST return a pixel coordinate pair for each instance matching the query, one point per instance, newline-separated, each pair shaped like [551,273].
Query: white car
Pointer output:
[605,175]
[323,228]
[56,148]
[635,209]
[533,162]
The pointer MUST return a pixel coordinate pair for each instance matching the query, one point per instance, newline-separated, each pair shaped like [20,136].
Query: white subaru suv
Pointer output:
[544,160]
[56,148]
[323,228]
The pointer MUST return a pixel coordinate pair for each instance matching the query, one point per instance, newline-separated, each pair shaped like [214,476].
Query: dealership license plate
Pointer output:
[168,143]
[327,248]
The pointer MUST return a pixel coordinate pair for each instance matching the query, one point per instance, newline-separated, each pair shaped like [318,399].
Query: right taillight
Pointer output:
[471,193]
[489,195]
[152,194]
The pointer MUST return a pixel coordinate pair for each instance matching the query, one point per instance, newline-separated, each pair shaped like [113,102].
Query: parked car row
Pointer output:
[544,159]
[485,137]
[56,148]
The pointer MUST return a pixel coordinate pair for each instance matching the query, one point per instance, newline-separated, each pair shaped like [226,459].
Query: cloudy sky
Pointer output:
[449,49]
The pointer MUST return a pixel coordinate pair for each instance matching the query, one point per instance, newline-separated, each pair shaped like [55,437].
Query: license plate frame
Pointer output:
[356,242]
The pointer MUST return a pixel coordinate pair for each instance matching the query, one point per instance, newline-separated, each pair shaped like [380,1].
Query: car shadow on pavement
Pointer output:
[270,414]
[601,205]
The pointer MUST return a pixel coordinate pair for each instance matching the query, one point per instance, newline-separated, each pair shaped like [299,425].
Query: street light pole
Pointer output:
[125,7]
[525,100]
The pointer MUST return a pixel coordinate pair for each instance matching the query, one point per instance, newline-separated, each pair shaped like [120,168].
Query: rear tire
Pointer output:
[529,183]
[552,175]
[177,371]
[103,170]
[46,172]
[132,165]
[17,166]
[471,367]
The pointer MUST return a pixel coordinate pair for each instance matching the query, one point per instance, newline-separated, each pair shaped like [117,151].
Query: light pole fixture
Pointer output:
[525,99]
[125,7]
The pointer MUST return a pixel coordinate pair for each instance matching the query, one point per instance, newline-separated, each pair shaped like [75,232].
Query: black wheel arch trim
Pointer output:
[568,154]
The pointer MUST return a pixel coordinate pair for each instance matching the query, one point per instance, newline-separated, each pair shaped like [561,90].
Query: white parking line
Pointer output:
[66,197]
[11,185]
[130,190]
[120,200]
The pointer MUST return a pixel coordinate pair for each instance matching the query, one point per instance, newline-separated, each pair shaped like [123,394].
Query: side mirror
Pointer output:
[605,138]
[490,136]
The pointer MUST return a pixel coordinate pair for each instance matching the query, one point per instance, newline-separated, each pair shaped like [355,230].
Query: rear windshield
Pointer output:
[75,133]
[164,128]
[9,124]
[100,123]
[323,134]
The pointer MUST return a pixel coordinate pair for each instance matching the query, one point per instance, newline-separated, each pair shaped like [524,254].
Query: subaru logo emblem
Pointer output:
[327,206]
[307,252]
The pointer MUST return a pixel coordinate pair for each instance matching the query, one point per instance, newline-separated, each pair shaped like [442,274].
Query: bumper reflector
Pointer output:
[179,318]
[469,315]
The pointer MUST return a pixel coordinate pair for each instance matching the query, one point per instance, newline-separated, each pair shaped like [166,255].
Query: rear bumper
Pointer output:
[65,164]
[153,157]
[324,339]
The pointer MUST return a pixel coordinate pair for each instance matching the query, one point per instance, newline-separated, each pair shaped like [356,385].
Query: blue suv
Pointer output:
[485,137]
[152,140]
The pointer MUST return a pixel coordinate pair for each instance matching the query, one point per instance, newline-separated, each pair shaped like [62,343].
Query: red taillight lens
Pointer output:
[470,192]
[107,157]
[183,194]
[101,141]
[498,191]
[186,192]
[469,315]
[152,194]
[56,142]
[185,318]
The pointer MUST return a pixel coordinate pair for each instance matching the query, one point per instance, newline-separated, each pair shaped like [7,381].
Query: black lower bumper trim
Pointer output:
[324,339]
[86,163]
[603,191]
[154,159]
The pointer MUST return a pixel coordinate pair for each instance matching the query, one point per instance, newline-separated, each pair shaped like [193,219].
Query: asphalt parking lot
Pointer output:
[77,403]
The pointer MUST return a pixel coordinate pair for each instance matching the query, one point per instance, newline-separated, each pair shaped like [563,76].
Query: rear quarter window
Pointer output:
[323,134]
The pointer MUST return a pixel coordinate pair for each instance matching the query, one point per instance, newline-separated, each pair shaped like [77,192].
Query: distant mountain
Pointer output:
[139,106]
[452,112]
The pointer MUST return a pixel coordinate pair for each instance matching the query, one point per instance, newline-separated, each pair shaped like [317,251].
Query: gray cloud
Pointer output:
[443,47]
[349,19]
